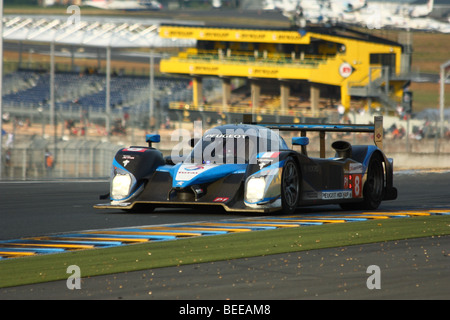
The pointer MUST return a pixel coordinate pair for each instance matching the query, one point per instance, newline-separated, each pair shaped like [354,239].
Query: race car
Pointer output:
[250,168]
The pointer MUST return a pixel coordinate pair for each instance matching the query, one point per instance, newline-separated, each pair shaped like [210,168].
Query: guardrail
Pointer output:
[266,58]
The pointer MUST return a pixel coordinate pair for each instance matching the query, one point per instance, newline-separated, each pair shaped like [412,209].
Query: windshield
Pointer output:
[237,147]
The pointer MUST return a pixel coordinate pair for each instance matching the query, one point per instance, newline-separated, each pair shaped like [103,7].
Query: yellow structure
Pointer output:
[356,63]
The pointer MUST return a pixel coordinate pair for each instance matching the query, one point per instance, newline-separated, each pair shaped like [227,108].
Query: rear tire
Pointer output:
[373,190]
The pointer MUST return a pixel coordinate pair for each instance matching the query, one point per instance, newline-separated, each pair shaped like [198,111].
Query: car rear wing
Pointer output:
[376,129]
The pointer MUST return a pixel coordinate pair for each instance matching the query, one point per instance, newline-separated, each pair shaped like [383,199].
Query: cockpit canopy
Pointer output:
[235,144]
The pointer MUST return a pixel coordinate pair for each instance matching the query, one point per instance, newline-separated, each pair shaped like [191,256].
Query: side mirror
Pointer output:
[152,138]
[300,141]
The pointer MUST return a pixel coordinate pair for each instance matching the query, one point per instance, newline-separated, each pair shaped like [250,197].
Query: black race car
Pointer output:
[249,167]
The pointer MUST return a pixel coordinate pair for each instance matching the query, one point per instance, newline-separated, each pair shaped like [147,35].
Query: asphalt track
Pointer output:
[410,269]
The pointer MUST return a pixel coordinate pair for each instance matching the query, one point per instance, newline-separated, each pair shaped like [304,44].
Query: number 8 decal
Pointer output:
[357,187]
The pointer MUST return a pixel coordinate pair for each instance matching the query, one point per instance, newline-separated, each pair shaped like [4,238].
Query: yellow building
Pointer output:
[353,64]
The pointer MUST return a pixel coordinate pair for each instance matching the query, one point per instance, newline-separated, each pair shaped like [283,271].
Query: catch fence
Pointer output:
[41,159]
[43,156]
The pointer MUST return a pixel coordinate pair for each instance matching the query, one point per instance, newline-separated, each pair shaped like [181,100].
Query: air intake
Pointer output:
[343,149]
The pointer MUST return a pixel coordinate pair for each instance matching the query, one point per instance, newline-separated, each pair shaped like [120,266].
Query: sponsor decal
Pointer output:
[221,199]
[355,168]
[135,149]
[198,190]
[187,172]
[264,163]
[126,159]
[339,194]
[268,155]
[193,168]
[345,70]
[225,135]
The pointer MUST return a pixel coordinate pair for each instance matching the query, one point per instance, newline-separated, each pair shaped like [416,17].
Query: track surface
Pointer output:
[42,208]
[411,269]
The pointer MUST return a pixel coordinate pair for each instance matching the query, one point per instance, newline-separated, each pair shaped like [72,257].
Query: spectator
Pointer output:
[341,111]
[49,160]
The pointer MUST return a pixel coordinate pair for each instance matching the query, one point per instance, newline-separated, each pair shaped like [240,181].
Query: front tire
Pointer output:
[290,187]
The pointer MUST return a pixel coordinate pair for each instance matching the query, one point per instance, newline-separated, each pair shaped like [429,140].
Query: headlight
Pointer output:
[120,187]
[255,189]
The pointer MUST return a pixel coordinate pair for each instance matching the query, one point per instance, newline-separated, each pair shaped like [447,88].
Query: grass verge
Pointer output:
[95,262]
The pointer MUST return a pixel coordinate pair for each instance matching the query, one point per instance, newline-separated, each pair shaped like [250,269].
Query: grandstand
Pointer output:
[74,93]
[57,93]
[293,72]
[279,72]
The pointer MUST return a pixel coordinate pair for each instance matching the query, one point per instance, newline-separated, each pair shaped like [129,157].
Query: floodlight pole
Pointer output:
[52,83]
[52,94]
[108,91]
[152,87]
[1,85]
[444,68]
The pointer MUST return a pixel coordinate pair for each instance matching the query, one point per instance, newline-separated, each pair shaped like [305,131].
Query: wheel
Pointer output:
[373,190]
[290,187]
